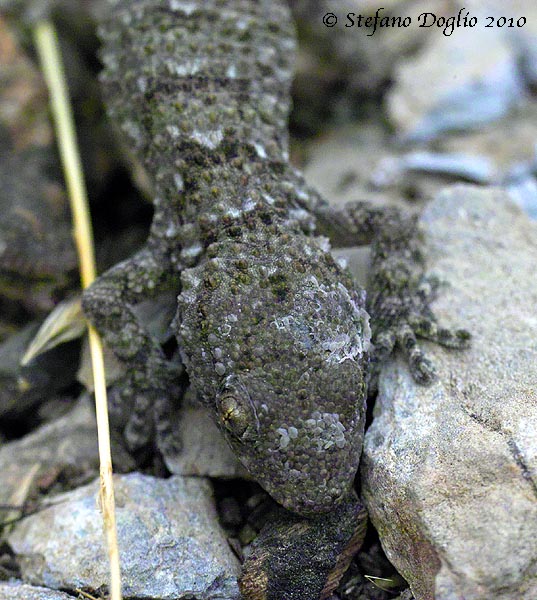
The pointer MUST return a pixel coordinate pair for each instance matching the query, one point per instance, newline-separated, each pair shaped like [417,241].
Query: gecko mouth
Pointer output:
[307,494]
[312,504]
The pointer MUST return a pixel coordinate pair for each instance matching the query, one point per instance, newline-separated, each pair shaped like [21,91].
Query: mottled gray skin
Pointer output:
[272,332]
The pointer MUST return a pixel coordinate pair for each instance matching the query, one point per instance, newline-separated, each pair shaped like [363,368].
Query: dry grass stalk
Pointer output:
[49,54]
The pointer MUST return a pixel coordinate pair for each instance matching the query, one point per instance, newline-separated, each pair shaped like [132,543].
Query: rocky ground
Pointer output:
[445,126]
[448,472]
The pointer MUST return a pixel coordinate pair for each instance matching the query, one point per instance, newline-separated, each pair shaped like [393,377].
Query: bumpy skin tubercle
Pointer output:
[273,334]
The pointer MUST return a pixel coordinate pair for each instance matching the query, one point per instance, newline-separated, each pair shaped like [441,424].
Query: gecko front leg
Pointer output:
[399,292]
[150,379]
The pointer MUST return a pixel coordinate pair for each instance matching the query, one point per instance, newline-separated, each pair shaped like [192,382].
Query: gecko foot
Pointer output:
[404,334]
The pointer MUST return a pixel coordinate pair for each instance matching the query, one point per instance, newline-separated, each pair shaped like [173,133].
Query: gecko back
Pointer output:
[184,78]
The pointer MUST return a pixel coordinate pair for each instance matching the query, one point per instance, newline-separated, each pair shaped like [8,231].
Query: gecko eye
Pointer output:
[234,415]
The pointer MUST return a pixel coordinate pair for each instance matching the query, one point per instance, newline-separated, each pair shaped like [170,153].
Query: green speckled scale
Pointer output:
[273,334]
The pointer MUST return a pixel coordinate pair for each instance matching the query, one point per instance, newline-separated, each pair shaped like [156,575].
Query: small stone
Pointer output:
[170,542]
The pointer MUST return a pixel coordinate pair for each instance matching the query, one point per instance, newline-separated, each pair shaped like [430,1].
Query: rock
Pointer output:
[467,167]
[449,471]
[350,56]
[523,190]
[204,450]
[506,142]
[356,259]
[15,590]
[475,84]
[524,37]
[339,166]
[361,162]
[348,165]
[171,544]
[34,462]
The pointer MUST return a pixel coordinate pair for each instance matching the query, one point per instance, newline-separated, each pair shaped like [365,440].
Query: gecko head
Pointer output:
[299,434]
[276,344]
[279,356]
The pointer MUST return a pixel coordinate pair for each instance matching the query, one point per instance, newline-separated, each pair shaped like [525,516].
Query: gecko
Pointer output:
[275,337]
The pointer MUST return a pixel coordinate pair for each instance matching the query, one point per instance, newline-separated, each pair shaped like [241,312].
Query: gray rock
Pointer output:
[357,260]
[204,451]
[15,590]
[449,471]
[171,544]
[468,84]
[342,165]
[69,442]
[509,141]
[524,37]
[469,167]
[523,191]
[361,162]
